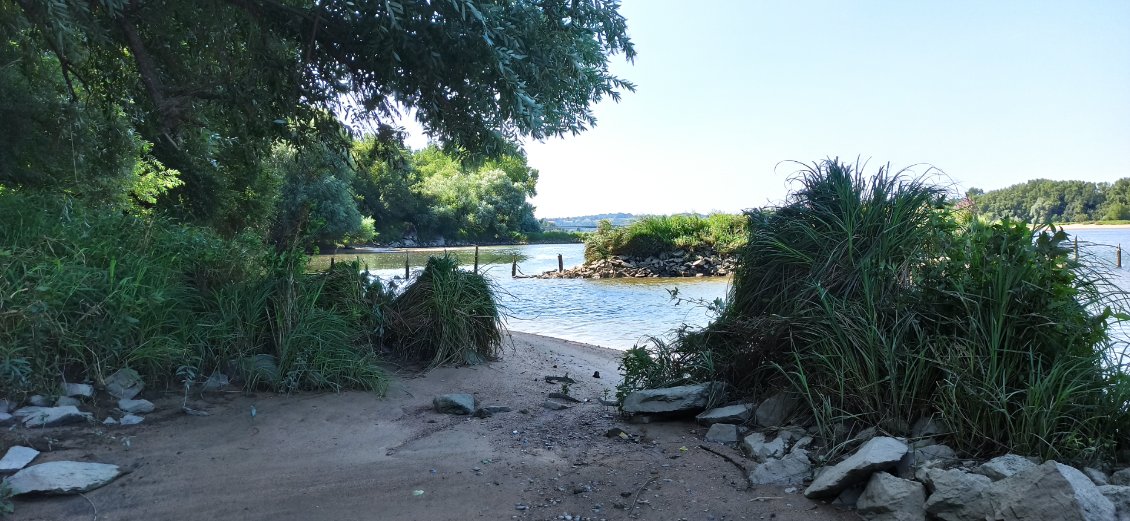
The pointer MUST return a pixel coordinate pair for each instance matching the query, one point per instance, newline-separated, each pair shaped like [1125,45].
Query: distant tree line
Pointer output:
[1046,201]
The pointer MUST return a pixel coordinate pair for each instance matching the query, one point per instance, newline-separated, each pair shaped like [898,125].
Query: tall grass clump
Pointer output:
[85,291]
[874,303]
[654,235]
[446,316]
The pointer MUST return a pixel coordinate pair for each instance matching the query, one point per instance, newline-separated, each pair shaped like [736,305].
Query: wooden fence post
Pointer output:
[560,264]
[406,273]
[1118,257]
[1076,248]
[476,270]
[514,269]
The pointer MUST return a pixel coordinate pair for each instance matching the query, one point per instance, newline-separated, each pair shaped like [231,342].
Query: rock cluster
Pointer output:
[893,479]
[674,264]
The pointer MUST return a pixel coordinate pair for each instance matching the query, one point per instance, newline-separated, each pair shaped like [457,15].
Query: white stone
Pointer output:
[729,414]
[124,384]
[17,458]
[793,469]
[723,433]
[136,406]
[671,400]
[888,498]
[759,449]
[51,416]
[83,390]
[1002,467]
[131,419]
[1049,491]
[881,453]
[61,477]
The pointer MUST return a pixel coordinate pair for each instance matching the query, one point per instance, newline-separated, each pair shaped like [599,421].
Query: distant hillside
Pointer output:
[587,223]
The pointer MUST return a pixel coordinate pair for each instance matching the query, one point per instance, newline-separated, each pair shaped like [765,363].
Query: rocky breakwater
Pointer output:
[674,264]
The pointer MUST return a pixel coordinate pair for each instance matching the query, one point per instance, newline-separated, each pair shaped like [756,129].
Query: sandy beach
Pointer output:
[354,456]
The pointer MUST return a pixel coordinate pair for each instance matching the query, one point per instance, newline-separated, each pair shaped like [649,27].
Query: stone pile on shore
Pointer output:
[678,263]
[888,478]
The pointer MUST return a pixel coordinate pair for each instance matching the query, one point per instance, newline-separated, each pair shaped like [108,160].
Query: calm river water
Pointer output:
[618,313]
[614,313]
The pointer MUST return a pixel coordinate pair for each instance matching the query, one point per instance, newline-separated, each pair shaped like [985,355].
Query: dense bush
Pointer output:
[446,316]
[869,299]
[660,234]
[85,291]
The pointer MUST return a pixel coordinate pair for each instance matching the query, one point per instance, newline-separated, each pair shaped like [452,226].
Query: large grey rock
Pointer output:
[136,406]
[124,384]
[1002,467]
[1119,495]
[760,449]
[673,400]
[1098,477]
[956,495]
[38,400]
[17,458]
[917,457]
[927,426]
[738,414]
[52,416]
[456,403]
[6,419]
[61,477]
[881,453]
[723,433]
[1121,477]
[888,498]
[777,410]
[79,390]
[1049,491]
[793,469]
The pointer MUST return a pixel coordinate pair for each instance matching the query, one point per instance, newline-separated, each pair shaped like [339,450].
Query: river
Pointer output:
[618,313]
[614,313]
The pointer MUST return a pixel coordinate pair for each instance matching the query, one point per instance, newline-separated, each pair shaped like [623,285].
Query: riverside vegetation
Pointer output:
[876,303]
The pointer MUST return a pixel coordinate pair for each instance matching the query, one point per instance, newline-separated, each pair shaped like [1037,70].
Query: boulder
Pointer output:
[6,419]
[674,400]
[1049,491]
[738,414]
[1119,495]
[1098,477]
[136,406]
[1002,467]
[1121,477]
[793,469]
[759,449]
[888,498]
[61,477]
[723,433]
[927,426]
[131,419]
[455,403]
[79,390]
[777,410]
[881,453]
[124,384]
[38,400]
[956,495]
[916,457]
[52,416]
[17,458]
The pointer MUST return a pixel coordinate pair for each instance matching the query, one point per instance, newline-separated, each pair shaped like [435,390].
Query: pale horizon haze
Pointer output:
[990,93]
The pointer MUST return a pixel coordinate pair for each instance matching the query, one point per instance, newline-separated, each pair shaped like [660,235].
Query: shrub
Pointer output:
[446,316]
[868,299]
[661,234]
[87,290]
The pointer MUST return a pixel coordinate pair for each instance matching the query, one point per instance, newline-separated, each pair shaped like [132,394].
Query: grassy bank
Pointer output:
[86,291]
[654,235]
[877,305]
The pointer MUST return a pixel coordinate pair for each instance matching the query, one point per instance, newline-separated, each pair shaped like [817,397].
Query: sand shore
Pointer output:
[356,456]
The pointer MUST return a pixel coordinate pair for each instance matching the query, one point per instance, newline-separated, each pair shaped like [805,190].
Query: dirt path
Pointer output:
[353,456]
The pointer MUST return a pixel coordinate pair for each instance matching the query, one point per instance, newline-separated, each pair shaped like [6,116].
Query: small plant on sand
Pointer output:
[446,316]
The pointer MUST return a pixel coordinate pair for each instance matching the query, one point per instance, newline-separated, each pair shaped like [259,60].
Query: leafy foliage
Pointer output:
[660,234]
[1041,201]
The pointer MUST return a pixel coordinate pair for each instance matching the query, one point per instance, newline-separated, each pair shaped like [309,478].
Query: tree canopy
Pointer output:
[203,91]
[1042,201]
